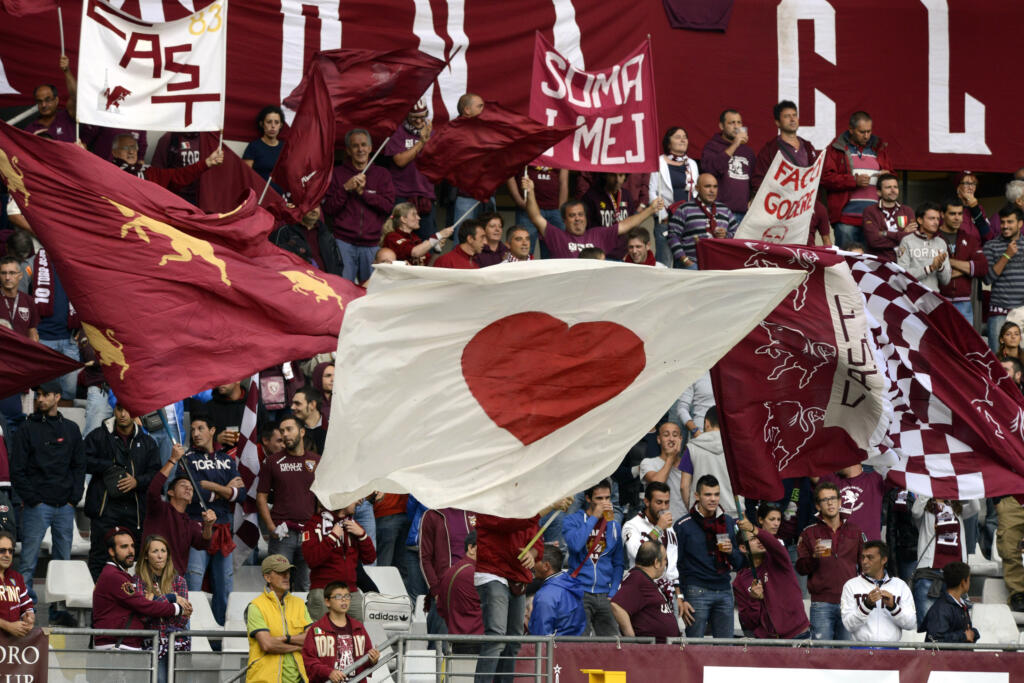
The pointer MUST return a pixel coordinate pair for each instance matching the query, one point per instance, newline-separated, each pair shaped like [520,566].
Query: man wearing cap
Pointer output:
[169,519]
[411,185]
[48,474]
[115,602]
[277,623]
[122,460]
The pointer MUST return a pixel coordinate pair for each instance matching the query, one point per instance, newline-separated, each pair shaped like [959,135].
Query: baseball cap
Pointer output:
[51,387]
[419,109]
[276,563]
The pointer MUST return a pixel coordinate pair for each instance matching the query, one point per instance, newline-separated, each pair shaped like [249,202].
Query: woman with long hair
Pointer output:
[262,153]
[399,235]
[156,578]
[1009,342]
[675,181]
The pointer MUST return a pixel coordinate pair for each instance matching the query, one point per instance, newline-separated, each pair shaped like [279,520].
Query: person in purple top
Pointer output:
[576,237]
[731,160]
[410,185]
[58,123]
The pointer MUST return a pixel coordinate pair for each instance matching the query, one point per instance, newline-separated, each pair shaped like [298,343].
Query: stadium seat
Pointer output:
[69,581]
[419,617]
[76,415]
[202,620]
[420,666]
[249,577]
[388,580]
[982,567]
[994,593]
[237,602]
[996,624]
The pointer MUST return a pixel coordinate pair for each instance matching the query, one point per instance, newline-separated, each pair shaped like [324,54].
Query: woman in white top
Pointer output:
[675,181]
[940,540]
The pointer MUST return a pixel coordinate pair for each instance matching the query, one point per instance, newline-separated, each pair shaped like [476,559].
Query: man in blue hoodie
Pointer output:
[708,551]
[596,558]
[558,604]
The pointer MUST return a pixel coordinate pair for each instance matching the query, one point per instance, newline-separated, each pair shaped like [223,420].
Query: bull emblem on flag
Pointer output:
[115,97]
[995,374]
[185,246]
[14,177]
[794,351]
[107,347]
[788,428]
[308,283]
[801,258]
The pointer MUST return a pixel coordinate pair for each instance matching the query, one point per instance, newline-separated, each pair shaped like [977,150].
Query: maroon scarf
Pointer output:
[594,544]
[649,261]
[713,526]
[947,537]
[42,290]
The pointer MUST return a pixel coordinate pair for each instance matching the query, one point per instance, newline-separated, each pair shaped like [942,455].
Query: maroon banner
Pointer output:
[19,8]
[916,71]
[24,659]
[28,363]
[222,188]
[613,110]
[728,664]
[159,284]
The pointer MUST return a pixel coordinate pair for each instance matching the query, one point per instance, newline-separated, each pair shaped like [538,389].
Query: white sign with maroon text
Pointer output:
[156,76]
[613,109]
[782,210]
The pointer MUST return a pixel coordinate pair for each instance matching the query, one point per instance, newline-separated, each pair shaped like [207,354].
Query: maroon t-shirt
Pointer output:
[289,478]
[20,311]
[649,612]
[563,245]
[545,185]
[860,501]
[14,600]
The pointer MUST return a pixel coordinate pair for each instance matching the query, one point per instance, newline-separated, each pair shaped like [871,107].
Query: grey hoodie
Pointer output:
[708,457]
[916,253]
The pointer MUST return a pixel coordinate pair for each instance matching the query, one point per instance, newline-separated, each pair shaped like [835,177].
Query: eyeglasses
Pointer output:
[969,182]
[341,598]
[132,148]
[6,551]
[829,499]
[46,100]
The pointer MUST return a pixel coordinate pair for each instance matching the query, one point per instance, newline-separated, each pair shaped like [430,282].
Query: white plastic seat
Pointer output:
[982,567]
[76,415]
[388,580]
[996,624]
[420,666]
[237,602]
[69,581]
[249,577]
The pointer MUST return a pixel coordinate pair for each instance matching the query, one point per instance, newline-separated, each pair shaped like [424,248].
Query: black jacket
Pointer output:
[140,456]
[48,461]
[947,621]
[295,238]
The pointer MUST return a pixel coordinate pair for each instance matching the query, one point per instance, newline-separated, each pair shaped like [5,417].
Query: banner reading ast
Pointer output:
[156,76]
[614,111]
[781,212]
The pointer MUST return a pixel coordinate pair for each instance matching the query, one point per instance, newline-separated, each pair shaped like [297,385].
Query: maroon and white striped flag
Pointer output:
[247,529]
[958,420]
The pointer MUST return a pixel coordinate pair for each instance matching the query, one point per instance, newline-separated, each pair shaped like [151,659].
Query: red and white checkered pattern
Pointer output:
[958,421]
[247,530]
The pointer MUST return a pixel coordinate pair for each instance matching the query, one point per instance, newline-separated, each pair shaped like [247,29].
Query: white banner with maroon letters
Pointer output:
[781,212]
[156,76]
[614,110]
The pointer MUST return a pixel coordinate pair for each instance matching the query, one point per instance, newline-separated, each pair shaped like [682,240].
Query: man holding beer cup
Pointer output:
[596,557]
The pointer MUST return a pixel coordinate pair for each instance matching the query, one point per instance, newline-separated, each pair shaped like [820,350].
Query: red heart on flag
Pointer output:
[533,374]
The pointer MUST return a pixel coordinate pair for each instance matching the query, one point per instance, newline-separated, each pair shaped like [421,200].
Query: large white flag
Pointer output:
[155,76]
[500,390]
[782,209]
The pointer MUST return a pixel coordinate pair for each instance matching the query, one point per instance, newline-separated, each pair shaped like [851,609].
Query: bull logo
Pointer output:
[775,234]
[107,347]
[994,374]
[802,259]
[115,97]
[794,351]
[14,177]
[788,428]
[308,283]
[185,246]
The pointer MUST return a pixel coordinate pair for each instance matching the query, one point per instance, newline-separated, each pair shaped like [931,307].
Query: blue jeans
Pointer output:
[966,309]
[552,216]
[364,518]
[356,262]
[35,521]
[503,616]
[922,603]
[68,382]
[709,606]
[827,622]
[222,578]
[391,533]
[846,233]
[661,251]
[739,216]
[97,408]
[415,582]
[291,547]
[995,322]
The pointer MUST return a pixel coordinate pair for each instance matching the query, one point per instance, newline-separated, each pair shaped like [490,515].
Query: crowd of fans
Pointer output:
[662,544]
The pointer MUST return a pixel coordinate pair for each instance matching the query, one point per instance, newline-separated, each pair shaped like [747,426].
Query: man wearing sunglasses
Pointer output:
[17,615]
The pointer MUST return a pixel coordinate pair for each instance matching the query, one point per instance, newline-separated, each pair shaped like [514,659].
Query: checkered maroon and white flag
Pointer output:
[247,530]
[958,425]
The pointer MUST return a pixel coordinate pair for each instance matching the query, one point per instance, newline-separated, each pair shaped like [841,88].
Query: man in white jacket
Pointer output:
[876,607]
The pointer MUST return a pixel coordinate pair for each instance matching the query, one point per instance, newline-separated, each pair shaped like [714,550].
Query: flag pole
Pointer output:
[379,150]
[264,193]
[60,24]
[195,487]
[746,540]
[554,515]
[526,173]
[465,215]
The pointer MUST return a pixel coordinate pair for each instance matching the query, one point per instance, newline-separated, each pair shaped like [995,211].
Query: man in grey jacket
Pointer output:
[923,252]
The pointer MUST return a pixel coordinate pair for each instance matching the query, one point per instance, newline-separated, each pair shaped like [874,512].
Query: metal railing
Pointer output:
[70,654]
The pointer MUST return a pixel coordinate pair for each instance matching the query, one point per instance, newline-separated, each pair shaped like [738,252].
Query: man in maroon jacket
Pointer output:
[358,200]
[115,602]
[770,602]
[334,544]
[965,257]
[167,518]
[828,554]
[443,536]
[336,640]
[886,223]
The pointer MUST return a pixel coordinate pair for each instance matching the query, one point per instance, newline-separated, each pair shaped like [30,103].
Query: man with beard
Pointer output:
[115,602]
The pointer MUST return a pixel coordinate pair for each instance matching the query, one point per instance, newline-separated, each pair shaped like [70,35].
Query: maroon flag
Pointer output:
[303,170]
[371,89]
[173,300]
[222,188]
[27,363]
[19,8]
[478,154]
[958,420]
[801,395]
